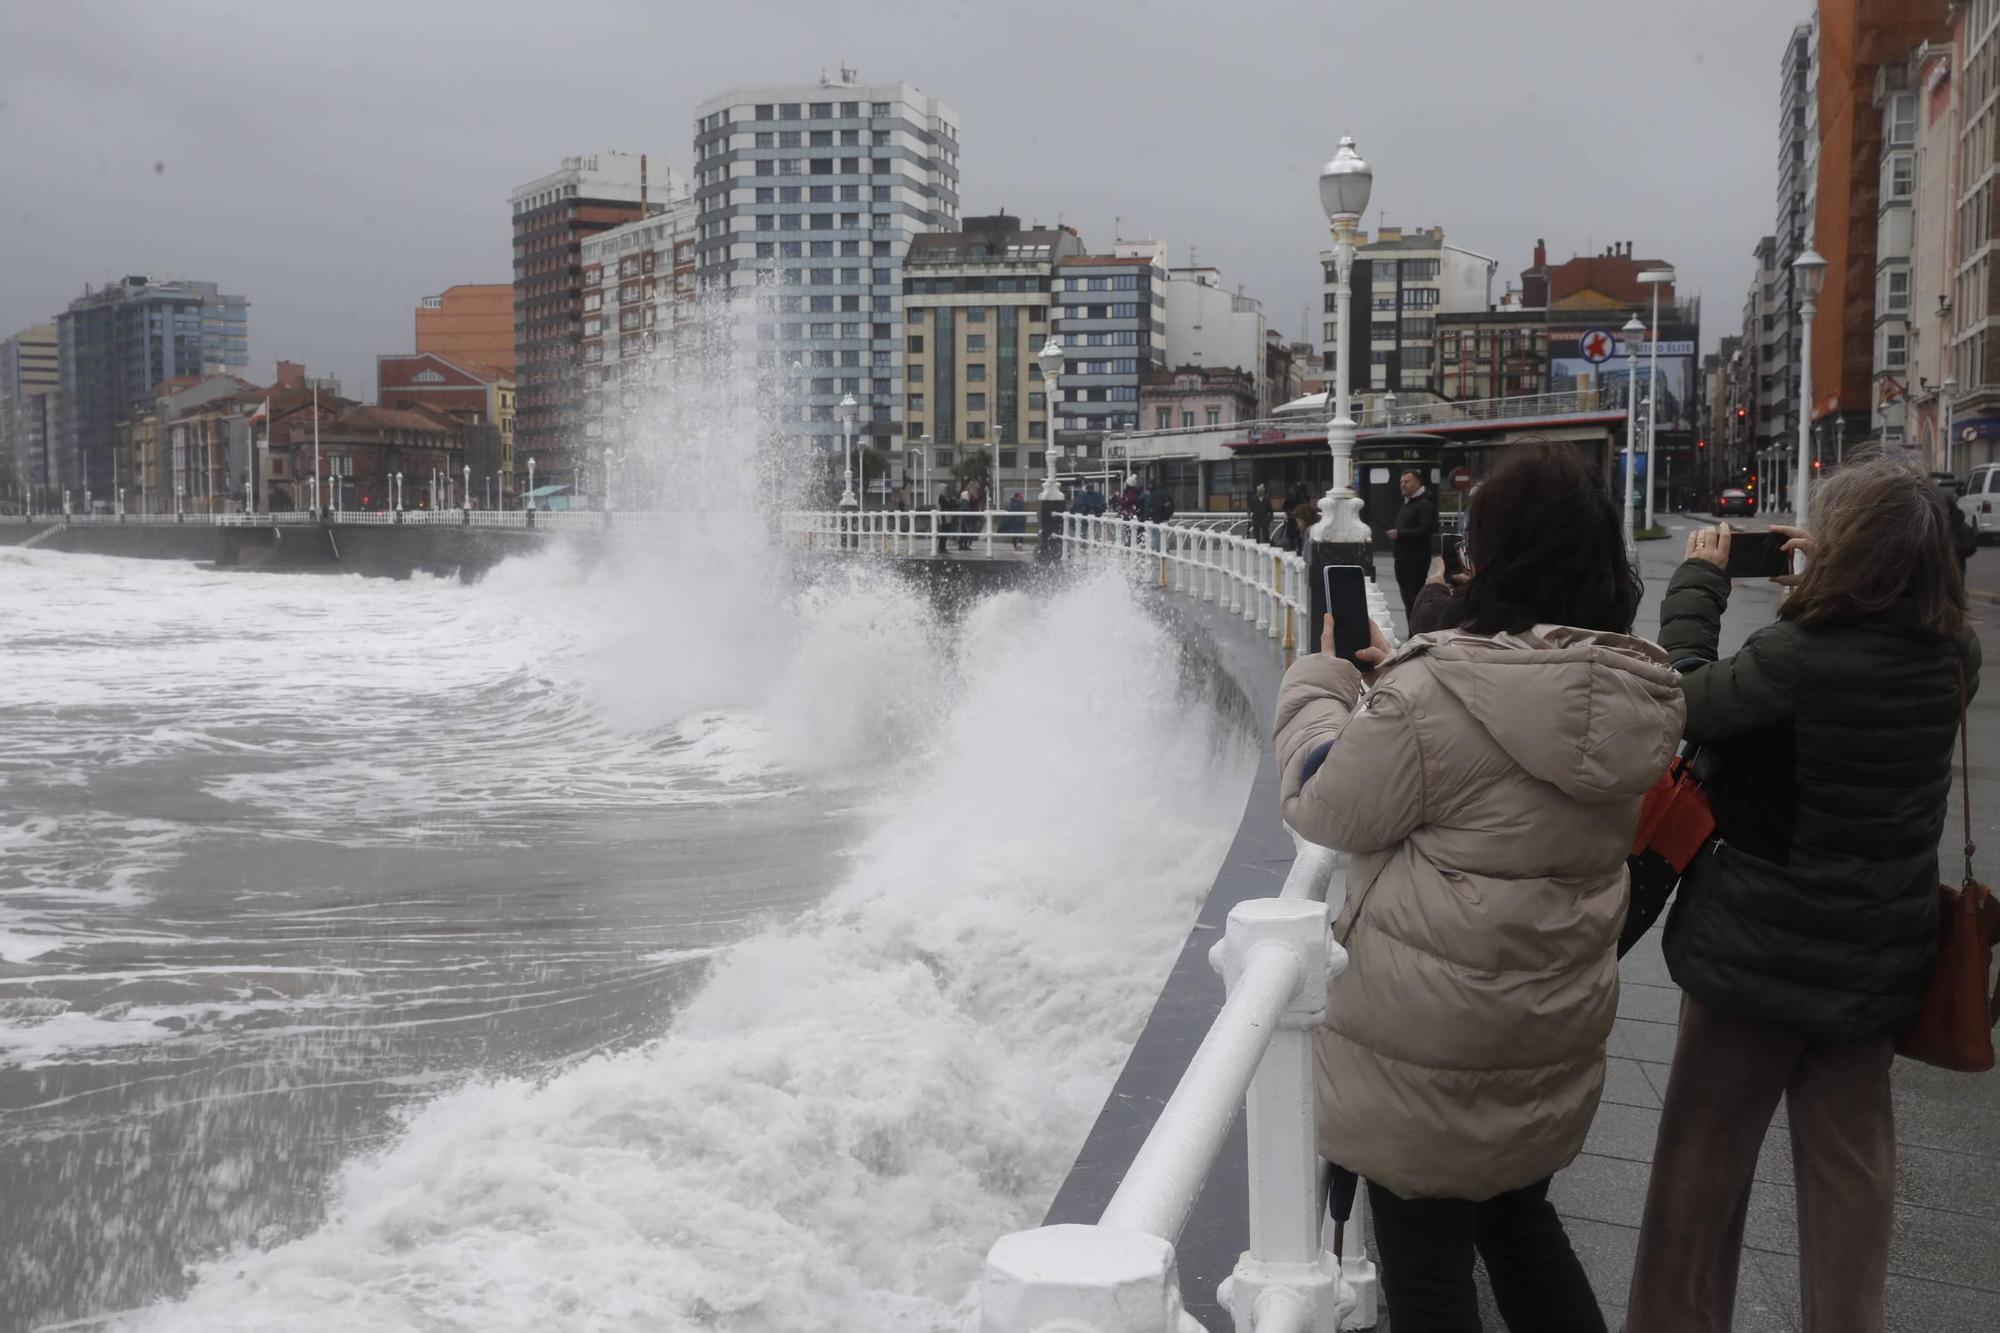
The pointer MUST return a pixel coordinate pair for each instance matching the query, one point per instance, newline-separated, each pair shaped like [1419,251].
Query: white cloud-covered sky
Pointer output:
[335,162]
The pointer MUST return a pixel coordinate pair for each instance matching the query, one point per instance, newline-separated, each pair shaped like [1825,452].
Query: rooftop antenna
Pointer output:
[1117,229]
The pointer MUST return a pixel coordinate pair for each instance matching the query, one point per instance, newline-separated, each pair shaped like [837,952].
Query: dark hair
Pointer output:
[1412,472]
[1882,539]
[1544,541]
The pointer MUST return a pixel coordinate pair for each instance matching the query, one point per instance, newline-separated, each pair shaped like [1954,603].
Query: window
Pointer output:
[764,111]
[788,249]
[821,330]
[1187,420]
[975,402]
[1163,418]
[1895,351]
[764,139]
[975,372]
[975,342]
[915,373]
[1902,176]
[788,194]
[1214,415]
[788,139]
[975,430]
[1899,290]
[822,139]
[822,110]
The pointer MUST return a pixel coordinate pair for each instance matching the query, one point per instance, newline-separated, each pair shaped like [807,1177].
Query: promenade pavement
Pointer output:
[1945,1258]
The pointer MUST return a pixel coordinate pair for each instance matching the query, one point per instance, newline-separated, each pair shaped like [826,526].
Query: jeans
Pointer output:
[1426,1247]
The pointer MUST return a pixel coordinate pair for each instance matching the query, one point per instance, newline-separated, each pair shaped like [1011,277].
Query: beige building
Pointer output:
[28,381]
[976,312]
[1412,277]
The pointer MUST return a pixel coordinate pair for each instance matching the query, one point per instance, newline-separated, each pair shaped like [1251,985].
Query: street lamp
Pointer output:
[1051,359]
[1633,329]
[1654,278]
[608,456]
[1944,416]
[530,497]
[1810,269]
[848,410]
[1345,183]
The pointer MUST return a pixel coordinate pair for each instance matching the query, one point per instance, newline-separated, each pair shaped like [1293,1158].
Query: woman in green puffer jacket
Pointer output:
[1803,935]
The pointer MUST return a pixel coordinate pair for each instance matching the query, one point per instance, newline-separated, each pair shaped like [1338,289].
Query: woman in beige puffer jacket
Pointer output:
[1487,782]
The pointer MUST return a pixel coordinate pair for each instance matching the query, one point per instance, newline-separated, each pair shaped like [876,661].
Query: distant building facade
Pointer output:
[553,215]
[1196,397]
[115,344]
[466,392]
[1111,318]
[1410,278]
[811,194]
[29,379]
[1492,354]
[469,322]
[976,314]
[1209,325]
[639,295]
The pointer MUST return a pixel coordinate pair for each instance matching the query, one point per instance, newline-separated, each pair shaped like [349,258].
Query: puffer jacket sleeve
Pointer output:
[1349,777]
[1691,612]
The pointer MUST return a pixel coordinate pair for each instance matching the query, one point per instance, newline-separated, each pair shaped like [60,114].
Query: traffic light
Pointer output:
[1742,412]
[1701,444]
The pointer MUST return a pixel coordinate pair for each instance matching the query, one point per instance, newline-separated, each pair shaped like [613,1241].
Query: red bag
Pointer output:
[1675,819]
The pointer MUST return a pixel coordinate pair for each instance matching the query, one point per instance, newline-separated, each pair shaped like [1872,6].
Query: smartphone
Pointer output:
[1347,603]
[1757,555]
[1454,565]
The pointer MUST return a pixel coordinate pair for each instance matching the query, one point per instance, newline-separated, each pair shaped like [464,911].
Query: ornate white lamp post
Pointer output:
[465,496]
[1051,359]
[1654,278]
[530,498]
[1810,269]
[1345,183]
[608,457]
[1633,331]
[848,410]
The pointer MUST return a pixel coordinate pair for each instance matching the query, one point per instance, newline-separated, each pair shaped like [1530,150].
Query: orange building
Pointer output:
[473,321]
[1855,37]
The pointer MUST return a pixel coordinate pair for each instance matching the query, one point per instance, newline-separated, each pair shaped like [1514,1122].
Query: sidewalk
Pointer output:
[1945,1259]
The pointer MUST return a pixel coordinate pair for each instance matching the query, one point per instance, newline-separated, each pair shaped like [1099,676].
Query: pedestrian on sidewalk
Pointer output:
[1411,539]
[1487,783]
[1260,518]
[1803,935]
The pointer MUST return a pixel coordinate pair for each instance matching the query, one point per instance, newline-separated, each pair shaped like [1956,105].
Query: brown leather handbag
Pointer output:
[1954,1026]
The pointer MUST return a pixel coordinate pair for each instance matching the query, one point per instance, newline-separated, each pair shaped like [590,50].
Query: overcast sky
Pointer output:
[335,162]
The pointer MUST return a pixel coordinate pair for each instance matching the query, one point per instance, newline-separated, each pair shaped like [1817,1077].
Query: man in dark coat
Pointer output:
[1260,518]
[1964,538]
[1410,540]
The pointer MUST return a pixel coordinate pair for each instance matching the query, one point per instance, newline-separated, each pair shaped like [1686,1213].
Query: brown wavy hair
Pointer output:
[1882,539]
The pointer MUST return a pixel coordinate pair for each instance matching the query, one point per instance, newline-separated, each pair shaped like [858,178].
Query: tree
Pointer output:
[975,465]
[873,465]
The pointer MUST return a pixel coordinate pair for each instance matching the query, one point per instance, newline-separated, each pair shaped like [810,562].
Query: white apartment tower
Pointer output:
[811,194]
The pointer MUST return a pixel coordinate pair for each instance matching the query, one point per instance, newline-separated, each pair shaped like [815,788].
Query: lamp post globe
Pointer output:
[1810,271]
[1050,359]
[1633,331]
[848,410]
[1345,184]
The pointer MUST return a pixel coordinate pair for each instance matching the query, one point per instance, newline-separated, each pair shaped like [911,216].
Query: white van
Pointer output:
[1981,502]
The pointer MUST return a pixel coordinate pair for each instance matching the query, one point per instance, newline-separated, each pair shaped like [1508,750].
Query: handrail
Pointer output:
[1438,413]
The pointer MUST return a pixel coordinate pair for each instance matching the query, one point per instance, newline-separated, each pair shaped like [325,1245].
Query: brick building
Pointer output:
[465,391]
[472,321]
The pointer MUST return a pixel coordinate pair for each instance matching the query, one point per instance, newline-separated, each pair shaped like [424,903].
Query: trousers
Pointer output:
[1426,1247]
[1727,1077]
[1411,571]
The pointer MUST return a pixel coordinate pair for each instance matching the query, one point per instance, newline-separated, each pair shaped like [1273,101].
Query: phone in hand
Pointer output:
[1347,603]
[1454,563]
[1757,555]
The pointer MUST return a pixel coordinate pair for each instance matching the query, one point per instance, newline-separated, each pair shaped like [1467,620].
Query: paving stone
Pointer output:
[1638,1040]
[1628,1132]
[1625,1083]
[1654,1004]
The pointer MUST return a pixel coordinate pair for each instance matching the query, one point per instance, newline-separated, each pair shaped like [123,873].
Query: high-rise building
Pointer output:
[471,321]
[1212,327]
[1112,320]
[814,193]
[28,382]
[115,343]
[1896,104]
[1798,135]
[1773,424]
[1934,75]
[552,217]
[638,304]
[1413,277]
[976,313]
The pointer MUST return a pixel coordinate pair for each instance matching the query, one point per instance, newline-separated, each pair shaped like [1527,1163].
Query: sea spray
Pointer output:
[855,1103]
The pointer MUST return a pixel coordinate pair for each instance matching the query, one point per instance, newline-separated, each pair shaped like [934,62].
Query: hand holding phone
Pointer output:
[1454,563]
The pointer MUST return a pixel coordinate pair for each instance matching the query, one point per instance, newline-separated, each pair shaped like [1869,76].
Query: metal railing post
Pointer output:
[1082,1279]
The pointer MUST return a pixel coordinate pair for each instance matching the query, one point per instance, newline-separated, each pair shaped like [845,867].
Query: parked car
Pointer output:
[1980,501]
[1950,481]
[1734,500]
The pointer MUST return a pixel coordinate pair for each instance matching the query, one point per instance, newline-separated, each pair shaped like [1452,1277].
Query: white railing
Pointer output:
[989,534]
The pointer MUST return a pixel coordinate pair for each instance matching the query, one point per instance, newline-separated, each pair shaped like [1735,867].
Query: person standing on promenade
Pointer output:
[1803,935]
[1487,783]
[1411,539]
[1260,518]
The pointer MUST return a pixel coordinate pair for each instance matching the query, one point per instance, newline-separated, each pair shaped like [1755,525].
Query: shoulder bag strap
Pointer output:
[1965,771]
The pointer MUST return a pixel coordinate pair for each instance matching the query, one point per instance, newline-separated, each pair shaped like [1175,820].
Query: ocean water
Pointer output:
[663,941]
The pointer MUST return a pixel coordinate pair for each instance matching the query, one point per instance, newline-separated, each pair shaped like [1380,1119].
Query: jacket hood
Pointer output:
[1595,715]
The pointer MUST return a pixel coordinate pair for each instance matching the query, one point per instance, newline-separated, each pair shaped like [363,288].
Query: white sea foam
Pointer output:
[851,1108]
